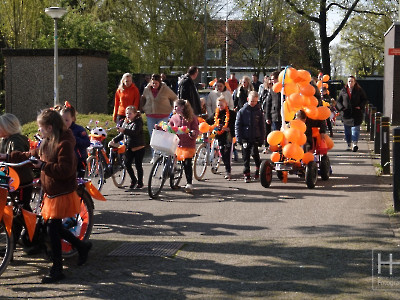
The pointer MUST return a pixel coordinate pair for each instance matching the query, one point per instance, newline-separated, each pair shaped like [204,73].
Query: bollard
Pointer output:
[372,112]
[367,122]
[377,131]
[396,168]
[385,145]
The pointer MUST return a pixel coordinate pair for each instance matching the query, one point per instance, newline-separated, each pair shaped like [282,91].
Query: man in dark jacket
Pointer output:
[187,90]
[250,133]
[351,102]
[272,106]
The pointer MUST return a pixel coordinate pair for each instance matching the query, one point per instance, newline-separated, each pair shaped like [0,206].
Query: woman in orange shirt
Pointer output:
[127,94]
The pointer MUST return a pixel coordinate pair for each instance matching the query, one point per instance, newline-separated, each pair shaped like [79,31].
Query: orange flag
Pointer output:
[3,200]
[8,218]
[93,191]
[30,222]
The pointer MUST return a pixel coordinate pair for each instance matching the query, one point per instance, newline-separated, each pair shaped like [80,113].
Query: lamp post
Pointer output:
[55,13]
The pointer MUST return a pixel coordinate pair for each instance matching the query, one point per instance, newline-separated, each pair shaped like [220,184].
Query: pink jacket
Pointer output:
[185,140]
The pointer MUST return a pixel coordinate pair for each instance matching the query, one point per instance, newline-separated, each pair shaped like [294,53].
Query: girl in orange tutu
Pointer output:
[58,177]
[184,116]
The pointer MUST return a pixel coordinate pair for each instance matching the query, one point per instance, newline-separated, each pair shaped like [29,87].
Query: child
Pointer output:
[68,113]
[132,132]
[184,116]
[250,133]
[58,176]
[224,120]
[310,123]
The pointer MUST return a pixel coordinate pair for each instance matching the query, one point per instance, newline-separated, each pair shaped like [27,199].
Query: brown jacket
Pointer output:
[58,176]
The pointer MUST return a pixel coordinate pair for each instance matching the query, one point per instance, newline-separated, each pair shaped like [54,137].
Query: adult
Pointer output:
[266,89]
[233,82]
[144,84]
[157,102]
[187,89]
[165,80]
[351,101]
[243,92]
[126,94]
[272,108]
[219,91]
[255,82]
[263,86]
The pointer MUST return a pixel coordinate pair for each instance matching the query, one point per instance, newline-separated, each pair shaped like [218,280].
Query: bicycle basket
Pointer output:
[164,141]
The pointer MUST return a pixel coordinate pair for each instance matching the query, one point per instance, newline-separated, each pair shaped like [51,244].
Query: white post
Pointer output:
[56,95]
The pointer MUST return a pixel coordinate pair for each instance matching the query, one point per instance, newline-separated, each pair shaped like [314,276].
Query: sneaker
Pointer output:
[349,147]
[133,183]
[152,161]
[139,186]
[228,176]
[355,147]
[189,188]
[247,178]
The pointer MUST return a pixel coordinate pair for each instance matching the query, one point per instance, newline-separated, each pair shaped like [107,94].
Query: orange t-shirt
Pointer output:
[129,96]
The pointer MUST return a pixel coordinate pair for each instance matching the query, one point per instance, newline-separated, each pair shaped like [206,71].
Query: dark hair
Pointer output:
[187,109]
[255,74]
[192,70]
[222,82]
[300,114]
[275,74]
[157,77]
[68,108]
[356,85]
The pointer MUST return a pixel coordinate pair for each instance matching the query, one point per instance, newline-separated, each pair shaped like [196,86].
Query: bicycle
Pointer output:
[34,229]
[166,165]
[207,153]
[99,165]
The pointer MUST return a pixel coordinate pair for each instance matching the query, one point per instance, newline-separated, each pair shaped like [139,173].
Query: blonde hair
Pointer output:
[50,117]
[10,124]
[248,80]
[131,108]
[253,94]
[121,83]
[187,109]
[222,99]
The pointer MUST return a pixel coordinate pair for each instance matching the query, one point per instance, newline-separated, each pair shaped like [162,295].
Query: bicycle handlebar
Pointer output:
[31,160]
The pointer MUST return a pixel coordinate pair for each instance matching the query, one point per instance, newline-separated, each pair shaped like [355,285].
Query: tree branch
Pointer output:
[356,10]
[346,17]
[302,12]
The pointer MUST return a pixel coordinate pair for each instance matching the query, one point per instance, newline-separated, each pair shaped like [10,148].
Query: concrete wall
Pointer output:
[29,80]
[391,106]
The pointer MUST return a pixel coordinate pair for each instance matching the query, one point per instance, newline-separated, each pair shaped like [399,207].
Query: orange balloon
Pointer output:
[204,127]
[287,78]
[299,125]
[304,75]
[296,101]
[325,85]
[313,101]
[307,90]
[277,87]
[292,135]
[273,148]
[329,142]
[311,112]
[325,78]
[290,88]
[319,84]
[293,151]
[275,157]
[289,113]
[302,139]
[275,137]
[323,112]
[292,73]
[307,157]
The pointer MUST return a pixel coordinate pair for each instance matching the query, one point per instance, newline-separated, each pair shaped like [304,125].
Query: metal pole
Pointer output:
[385,145]
[372,117]
[377,135]
[56,95]
[367,120]
[205,44]
[226,48]
[396,168]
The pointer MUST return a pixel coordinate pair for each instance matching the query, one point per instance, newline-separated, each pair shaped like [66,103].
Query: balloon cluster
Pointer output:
[173,129]
[295,85]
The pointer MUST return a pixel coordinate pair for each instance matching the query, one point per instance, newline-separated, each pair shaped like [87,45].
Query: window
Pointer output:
[214,54]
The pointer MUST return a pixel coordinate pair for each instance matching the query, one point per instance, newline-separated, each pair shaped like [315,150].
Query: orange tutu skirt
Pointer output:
[183,153]
[60,207]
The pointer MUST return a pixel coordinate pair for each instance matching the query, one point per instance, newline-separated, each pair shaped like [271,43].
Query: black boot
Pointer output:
[84,252]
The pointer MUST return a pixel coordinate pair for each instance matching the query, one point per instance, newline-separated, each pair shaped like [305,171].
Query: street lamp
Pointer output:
[55,13]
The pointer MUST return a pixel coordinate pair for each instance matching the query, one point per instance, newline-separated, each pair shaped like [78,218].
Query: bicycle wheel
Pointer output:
[176,175]
[81,225]
[200,162]
[95,171]
[119,171]
[156,178]
[215,157]
[6,247]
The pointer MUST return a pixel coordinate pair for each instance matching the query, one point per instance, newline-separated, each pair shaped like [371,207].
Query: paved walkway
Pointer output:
[240,241]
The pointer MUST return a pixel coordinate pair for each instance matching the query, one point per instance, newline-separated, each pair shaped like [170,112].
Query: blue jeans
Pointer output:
[150,125]
[351,133]
[276,125]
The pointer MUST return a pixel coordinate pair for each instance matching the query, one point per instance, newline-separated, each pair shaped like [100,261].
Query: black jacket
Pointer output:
[240,98]
[187,91]
[250,125]
[133,133]
[273,107]
[348,105]
[231,125]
